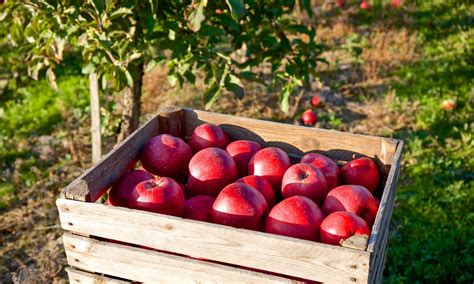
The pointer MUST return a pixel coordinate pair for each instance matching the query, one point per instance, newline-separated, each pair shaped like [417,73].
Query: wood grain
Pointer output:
[92,184]
[144,265]
[296,140]
[387,201]
[288,256]
[83,277]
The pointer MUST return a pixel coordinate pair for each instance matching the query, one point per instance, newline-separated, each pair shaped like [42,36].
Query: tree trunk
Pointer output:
[131,104]
[95,117]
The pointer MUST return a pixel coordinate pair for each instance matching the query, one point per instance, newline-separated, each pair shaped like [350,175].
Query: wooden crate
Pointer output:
[116,245]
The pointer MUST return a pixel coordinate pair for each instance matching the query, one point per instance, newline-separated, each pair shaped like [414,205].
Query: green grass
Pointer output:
[433,223]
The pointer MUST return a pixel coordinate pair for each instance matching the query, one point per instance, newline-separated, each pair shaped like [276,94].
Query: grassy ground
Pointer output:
[389,72]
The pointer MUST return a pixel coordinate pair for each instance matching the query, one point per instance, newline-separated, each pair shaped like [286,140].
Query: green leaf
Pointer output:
[196,17]
[237,9]
[235,86]
[52,78]
[99,5]
[211,95]
[120,13]
[284,100]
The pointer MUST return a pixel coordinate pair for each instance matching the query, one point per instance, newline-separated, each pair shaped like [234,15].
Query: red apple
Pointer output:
[242,151]
[395,4]
[263,186]
[341,225]
[309,117]
[364,5]
[166,155]
[305,180]
[208,135]
[120,192]
[352,198]
[340,3]
[317,100]
[448,105]
[362,171]
[199,208]
[210,170]
[297,217]
[327,166]
[270,163]
[162,195]
[241,206]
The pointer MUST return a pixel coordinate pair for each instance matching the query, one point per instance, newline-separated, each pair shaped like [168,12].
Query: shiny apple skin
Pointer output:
[166,156]
[162,195]
[242,152]
[297,217]
[270,163]
[120,192]
[210,170]
[327,166]
[305,180]
[340,225]
[263,186]
[241,206]
[352,198]
[208,135]
[362,171]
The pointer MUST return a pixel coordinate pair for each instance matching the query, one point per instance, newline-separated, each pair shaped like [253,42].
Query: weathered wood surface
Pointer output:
[92,184]
[83,277]
[288,256]
[150,266]
[296,140]
[384,213]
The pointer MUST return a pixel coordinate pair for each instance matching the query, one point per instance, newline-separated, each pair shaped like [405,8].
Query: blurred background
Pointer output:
[402,69]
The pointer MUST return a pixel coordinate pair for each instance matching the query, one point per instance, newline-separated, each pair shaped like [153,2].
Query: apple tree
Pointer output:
[225,41]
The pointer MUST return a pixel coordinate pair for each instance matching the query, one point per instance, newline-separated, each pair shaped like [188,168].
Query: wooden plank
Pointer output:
[288,256]
[83,277]
[379,261]
[151,266]
[387,202]
[92,184]
[296,140]
[95,117]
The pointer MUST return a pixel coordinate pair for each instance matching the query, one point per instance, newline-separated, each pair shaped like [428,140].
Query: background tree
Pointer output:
[223,41]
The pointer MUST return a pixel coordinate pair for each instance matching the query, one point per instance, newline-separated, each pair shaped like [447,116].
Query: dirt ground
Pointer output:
[31,247]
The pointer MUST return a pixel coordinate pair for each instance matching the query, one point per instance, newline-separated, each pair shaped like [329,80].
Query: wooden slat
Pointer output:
[150,266]
[296,140]
[94,182]
[288,256]
[83,277]
[387,202]
[379,262]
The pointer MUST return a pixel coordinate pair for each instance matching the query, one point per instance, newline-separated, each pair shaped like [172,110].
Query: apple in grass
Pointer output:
[270,163]
[297,217]
[309,118]
[341,225]
[305,180]
[162,195]
[210,170]
[120,192]
[354,199]
[240,205]
[242,152]
[327,166]
[166,155]
[317,101]
[362,171]
[263,186]
[199,208]
[208,135]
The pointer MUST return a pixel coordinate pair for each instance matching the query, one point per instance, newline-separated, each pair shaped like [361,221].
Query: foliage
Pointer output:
[225,40]
[431,235]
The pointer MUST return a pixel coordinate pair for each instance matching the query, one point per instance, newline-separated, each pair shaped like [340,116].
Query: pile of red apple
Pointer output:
[243,185]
